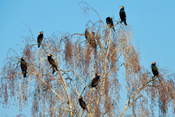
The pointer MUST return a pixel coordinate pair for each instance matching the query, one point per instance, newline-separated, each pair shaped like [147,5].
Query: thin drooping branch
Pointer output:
[127,105]
[52,90]
[89,7]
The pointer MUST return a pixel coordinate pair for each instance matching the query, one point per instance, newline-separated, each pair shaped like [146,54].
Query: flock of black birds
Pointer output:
[91,40]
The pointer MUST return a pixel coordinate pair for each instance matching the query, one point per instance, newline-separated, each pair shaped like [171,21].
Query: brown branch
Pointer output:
[51,89]
[65,88]
[135,94]
[135,99]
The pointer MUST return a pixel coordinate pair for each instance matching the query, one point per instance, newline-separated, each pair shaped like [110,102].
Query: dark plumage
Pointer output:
[90,37]
[23,67]
[154,69]
[82,103]
[109,22]
[52,62]
[95,81]
[122,15]
[40,38]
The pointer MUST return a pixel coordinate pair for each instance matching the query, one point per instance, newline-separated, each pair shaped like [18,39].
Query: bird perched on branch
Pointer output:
[154,69]
[90,37]
[23,67]
[95,81]
[40,38]
[82,103]
[110,23]
[52,62]
[122,15]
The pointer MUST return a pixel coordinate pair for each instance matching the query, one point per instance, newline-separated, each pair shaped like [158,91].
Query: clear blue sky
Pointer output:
[152,23]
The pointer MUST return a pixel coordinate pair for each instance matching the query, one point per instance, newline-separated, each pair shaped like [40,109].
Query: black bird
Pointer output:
[95,81]
[109,22]
[90,37]
[122,15]
[154,69]
[23,67]
[82,103]
[40,38]
[52,62]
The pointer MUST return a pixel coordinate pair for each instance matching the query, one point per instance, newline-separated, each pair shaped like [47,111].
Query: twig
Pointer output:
[135,94]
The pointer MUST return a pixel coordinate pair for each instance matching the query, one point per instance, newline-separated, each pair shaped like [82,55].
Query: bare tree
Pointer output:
[57,94]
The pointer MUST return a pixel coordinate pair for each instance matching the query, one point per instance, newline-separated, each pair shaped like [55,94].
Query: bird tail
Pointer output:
[125,23]
[38,45]
[53,71]
[24,75]
[114,29]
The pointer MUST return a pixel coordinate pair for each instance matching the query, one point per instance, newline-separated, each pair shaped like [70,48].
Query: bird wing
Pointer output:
[95,79]
[109,21]
[53,63]
[155,70]
[23,65]
[83,104]
[122,14]
[40,38]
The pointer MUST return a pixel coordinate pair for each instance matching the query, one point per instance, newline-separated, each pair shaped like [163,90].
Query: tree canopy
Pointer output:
[77,63]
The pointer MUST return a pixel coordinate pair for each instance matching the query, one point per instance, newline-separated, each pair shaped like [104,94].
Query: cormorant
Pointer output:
[40,38]
[109,22]
[82,103]
[90,37]
[95,81]
[122,15]
[154,69]
[23,67]
[52,62]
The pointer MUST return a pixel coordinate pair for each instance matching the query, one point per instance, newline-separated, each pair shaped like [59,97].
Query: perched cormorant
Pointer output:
[82,103]
[95,81]
[122,15]
[52,62]
[90,37]
[40,38]
[109,22]
[154,69]
[23,67]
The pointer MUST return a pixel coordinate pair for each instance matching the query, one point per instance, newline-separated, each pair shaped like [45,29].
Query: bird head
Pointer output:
[153,63]
[97,74]
[41,32]
[22,58]
[122,7]
[80,97]
[49,55]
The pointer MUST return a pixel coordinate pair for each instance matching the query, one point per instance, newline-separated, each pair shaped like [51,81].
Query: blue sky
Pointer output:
[152,23]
